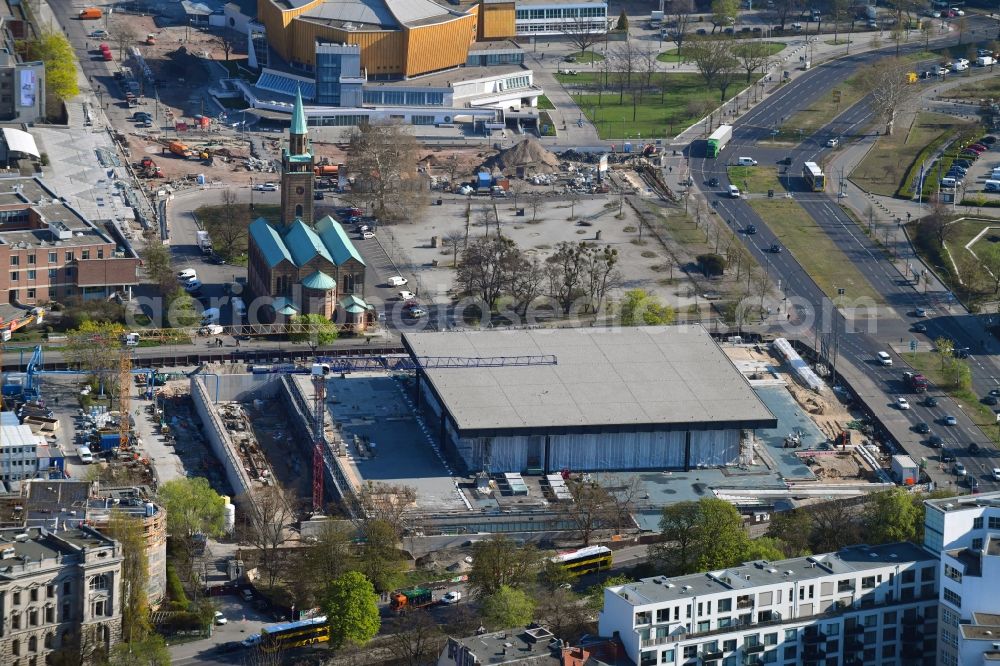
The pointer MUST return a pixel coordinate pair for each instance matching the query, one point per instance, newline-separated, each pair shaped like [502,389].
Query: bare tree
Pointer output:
[230,229]
[785,7]
[225,39]
[418,641]
[561,612]
[580,33]
[383,160]
[592,508]
[647,65]
[683,17]
[887,83]
[715,62]
[486,267]
[625,60]
[385,502]
[266,517]
[455,240]
[752,55]
[600,275]
[527,284]
[123,35]
[837,8]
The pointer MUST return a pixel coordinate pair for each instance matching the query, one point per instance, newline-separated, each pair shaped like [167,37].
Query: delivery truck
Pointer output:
[90,14]
[718,140]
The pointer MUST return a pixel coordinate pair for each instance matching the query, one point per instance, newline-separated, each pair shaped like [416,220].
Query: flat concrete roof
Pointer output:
[751,575]
[653,377]
[965,502]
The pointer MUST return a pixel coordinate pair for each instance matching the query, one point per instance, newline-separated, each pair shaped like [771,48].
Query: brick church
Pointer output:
[305,266]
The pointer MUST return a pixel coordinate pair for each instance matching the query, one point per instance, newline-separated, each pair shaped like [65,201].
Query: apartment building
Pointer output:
[60,590]
[965,533]
[860,605]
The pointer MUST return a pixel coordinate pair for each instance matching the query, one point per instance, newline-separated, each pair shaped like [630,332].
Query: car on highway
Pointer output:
[935,442]
[397,281]
[919,328]
[750,230]
[949,420]
[746,161]
[99,34]
[919,312]
[775,248]
[922,428]
[931,401]
[996,473]
[947,455]
[192,286]
[974,449]
[832,143]
[415,312]
[220,619]
[713,182]
[405,295]
[990,400]
[959,469]
[452,597]
[734,192]
[962,352]
[902,403]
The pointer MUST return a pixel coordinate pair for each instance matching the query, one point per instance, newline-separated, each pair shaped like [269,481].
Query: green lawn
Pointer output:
[886,166]
[758,179]
[816,252]
[684,100]
[671,55]
[545,104]
[585,57]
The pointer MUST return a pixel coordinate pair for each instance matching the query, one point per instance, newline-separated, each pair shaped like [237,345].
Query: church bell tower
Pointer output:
[297,170]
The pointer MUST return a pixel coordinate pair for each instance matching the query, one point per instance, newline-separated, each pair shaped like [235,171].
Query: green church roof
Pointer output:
[319,281]
[304,244]
[353,304]
[269,242]
[336,240]
[299,115]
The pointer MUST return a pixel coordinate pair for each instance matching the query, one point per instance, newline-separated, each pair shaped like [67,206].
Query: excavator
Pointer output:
[147,168]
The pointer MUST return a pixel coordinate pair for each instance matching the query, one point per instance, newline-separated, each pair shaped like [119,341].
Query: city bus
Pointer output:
[284,635]
[814,177]
[585,560]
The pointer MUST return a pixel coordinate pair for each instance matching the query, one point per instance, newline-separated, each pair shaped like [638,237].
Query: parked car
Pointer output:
[220,619]
[187,275]
[367,235]
[397,281]
[100,34]
[996,473]
[415,312]
[407,295]
[465,190]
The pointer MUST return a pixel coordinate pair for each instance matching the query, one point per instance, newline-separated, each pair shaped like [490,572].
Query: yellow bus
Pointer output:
[284,635]
[585,560]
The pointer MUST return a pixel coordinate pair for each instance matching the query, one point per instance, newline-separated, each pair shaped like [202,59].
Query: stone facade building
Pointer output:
[60,590]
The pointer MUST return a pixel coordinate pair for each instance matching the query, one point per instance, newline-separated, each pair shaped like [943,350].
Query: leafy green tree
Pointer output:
[499,562]
[554,575]
[55,51]
[945,348]
[792,529]
[890,516]
[723,11]
[723,541]
[318,331]
[764,548]
[379,558]
[595,594]
[330,556]
[640,308]
[562,612]
[700,536]
[711,264]
[192,507]
[508,607]
[622,25]
[150,651]
[352,605]
[135,575]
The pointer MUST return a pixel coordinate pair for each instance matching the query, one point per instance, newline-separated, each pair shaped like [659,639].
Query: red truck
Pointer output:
[417,597]
[915,382]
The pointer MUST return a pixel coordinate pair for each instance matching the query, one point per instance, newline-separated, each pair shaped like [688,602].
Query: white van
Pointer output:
[960,65]
[85,455]
[239,307]
[210,316]
[948,182]
[993,186]
[985,61]
[746,161]
[734,192]
[884,358]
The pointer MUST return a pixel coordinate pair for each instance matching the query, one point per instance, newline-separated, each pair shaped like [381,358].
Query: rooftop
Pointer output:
[644,377]
[34,545]
[965,502]
[852,559]
[374,14]
[496,45]
[520,646]
[449,78]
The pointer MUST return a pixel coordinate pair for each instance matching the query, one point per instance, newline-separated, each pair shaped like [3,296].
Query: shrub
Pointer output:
[711,264]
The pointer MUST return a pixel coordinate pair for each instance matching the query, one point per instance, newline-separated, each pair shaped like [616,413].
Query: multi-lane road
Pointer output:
[856,341]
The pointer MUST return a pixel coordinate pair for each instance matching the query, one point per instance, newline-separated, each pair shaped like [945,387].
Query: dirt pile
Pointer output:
[528,154]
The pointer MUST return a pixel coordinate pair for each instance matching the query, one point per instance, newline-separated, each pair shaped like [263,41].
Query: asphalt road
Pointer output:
[857,346]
